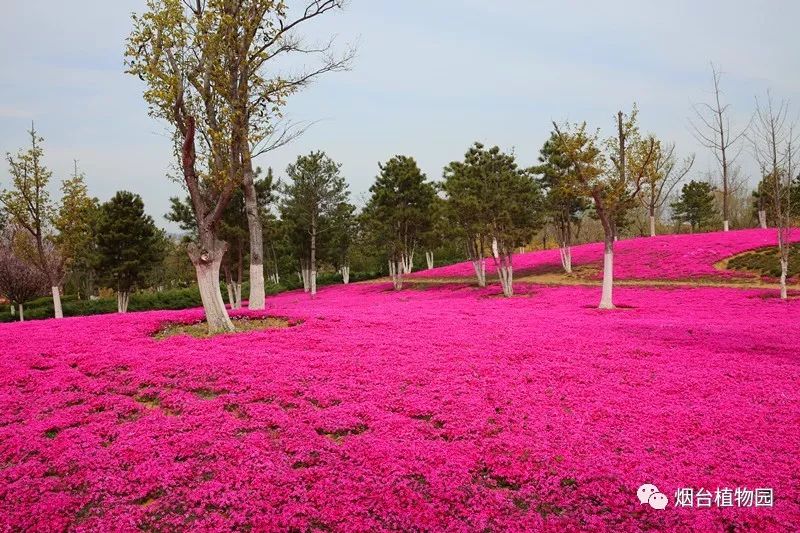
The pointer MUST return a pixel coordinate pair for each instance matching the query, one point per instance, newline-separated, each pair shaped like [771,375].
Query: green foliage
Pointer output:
[129,245]
[488,195]
[75,221]
[695,205]
[765,195]
[399,212]
[564,202]
[766,261]
[168,299]
[28,201]
[314,201]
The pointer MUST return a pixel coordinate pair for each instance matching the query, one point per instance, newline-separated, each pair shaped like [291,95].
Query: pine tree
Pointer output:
[399,213]
[128,244]
[695,205]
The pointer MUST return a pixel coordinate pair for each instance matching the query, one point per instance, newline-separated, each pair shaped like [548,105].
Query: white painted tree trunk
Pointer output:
[21,313]
[566,258]
[257,292]
[784,270]
[480,271]
[762,219]
[346,274]
[306,279]
[122,301]
[396,273]
[407,262]
[429,260]
[237,294]
[606,299]
[256,300]
[313,273]
[652,226]
[207,262]
[505,271]
[13,309]
[231,297]
[725,226]
[59,313]
[495,253]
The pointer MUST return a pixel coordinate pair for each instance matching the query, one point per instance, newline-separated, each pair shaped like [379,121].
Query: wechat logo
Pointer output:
[650,494]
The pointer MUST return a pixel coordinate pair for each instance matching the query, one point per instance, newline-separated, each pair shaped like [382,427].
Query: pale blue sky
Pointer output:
[430,78]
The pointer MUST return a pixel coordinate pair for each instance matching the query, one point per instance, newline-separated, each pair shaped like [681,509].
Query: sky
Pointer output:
[429,79]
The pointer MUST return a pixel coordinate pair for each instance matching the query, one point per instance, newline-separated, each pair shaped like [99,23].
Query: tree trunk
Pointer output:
[505,271]
[606,300]
[396,273]
[784,270]
[21,313]
[346,274]
[762,219]
[725,226]
[229,286]
[207,259]
[59,313]
[429,259]
[257,293]
[652,225]
[122,301]
[13,309]
[480,271]
[313,273]
[566,258]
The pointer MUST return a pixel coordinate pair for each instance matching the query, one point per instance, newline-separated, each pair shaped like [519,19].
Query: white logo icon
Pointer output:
[650,494]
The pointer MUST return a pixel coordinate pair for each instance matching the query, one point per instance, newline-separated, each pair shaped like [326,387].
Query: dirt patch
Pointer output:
[199,330]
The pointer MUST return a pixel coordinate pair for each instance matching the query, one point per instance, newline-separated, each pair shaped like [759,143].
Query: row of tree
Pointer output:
[41,241]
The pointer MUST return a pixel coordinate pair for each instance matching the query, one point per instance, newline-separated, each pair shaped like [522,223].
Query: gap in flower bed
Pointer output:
[199,330]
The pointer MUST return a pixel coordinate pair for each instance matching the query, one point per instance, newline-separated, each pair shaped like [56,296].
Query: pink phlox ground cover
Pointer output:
[661,257]
[442,409]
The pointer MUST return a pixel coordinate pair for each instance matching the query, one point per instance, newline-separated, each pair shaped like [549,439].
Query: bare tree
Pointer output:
[772,138]
[661,179]
[712,128]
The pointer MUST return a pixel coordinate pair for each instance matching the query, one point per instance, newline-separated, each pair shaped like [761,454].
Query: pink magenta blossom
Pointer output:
[446,409]
[672,257]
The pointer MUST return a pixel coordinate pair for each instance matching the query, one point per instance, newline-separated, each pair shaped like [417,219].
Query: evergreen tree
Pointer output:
[564,202]
[695,205]
[493,199]
[313,194]
[399,213]
[128,244]
[75,221]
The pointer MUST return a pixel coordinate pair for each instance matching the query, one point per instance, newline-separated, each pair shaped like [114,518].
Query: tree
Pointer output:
[341,237]
[493,198]
[613,188]
[398,213]
[712,128]
[256,36]
[28,205]
[312,196]
[128,244]
[75,221]
[695,205]
[176,52]
[772,137]
[564,202]
[20,281]
[661,178]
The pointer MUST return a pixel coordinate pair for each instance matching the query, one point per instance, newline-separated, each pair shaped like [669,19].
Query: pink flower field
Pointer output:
[674,257]
[446,409]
